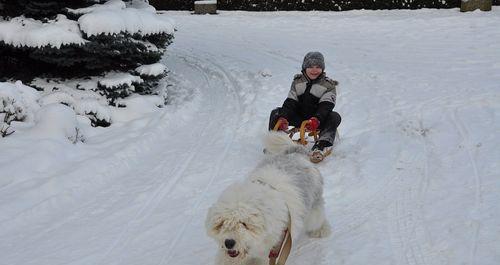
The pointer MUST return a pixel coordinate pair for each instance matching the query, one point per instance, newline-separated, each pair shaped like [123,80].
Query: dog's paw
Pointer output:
[324,231]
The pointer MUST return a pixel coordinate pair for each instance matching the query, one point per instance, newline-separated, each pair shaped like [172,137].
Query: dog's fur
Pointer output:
[255,212]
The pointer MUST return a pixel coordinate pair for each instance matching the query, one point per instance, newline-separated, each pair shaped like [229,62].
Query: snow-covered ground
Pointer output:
[414,179]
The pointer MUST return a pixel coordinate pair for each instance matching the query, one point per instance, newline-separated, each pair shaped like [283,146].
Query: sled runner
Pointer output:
[305,137]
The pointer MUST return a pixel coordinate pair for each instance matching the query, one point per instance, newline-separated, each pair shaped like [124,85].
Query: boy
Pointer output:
[312,97]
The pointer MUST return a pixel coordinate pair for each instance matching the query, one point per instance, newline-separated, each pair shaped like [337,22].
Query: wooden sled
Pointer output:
[304,139]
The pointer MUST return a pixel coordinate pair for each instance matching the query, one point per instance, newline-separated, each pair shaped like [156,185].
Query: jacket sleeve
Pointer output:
[327,102]
[291,103]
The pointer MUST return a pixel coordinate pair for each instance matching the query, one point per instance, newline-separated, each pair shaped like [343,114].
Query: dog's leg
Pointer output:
[316,224]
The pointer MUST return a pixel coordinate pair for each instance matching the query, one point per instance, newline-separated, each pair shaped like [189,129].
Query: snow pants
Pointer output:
[328,127]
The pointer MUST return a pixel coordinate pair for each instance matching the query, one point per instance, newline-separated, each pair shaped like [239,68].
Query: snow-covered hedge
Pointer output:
[335,5]
[173,4]
[330,5]
[83,38]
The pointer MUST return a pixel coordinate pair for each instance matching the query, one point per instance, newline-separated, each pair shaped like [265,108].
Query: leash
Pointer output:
[285,246]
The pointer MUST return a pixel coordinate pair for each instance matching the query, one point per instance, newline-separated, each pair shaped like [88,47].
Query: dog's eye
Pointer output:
[244,225]
[218,226]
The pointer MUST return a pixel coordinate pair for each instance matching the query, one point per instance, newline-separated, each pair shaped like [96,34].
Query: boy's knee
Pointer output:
[275,112]
[334,118]
[273,117]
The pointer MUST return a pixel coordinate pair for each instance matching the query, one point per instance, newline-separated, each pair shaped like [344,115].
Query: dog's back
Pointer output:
[279,143]
[288,170]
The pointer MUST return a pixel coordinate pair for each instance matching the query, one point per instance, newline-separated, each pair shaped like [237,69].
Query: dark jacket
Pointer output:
[310,98]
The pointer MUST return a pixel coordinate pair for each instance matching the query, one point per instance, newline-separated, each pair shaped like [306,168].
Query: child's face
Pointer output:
[313,72]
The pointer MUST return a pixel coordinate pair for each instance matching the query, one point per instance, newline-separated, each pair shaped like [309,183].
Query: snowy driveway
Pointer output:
[415,178]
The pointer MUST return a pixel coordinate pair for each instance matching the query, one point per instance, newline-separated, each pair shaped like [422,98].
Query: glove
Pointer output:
[283,124]
[313,124]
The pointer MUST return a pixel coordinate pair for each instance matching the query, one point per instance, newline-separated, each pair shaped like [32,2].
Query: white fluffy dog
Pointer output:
[249,218]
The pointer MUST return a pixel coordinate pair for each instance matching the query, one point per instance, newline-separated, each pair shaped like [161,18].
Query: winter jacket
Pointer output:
[310,98]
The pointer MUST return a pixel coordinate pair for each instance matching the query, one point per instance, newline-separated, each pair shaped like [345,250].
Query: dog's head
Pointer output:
[239,230]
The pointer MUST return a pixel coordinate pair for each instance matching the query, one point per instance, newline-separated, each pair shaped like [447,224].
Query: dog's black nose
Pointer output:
[229,243]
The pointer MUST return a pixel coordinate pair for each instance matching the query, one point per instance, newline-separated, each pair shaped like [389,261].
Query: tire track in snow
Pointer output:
[413,242]
[464,134]
[228,140]
[148,207]
[357,213]
[88,208]
[164,188]
[168,256]
[431,106]
[155,200]
[143,211]
[117,163]
[406,223]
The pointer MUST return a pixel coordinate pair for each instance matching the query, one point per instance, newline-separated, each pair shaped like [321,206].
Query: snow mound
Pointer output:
[116,79]
[137,107]
[98,114]
[55,121]
[155,69]
[21,31]
[129,20]
[58,97]
[206,2]
[30,95]
[110,5]
[141,4]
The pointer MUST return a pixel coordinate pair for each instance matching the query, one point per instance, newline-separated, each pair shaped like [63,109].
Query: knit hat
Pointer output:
[313,59]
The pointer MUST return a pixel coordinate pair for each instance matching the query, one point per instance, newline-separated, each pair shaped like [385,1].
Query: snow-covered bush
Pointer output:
[11,109]
[98,113]
[69,109]
[151,74]
[118,85]
[57,111]
[68,39]
[58,97]
[15,100]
